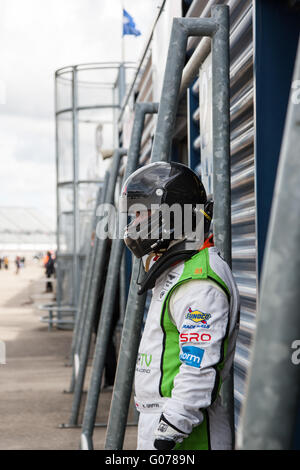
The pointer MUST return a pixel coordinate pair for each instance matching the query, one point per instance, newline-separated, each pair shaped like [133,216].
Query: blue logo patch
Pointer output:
[192,356]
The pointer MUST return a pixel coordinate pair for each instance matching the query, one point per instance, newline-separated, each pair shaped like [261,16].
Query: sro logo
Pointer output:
[194,337]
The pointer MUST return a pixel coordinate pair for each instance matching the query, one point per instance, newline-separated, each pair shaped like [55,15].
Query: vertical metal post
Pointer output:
[272,399]
[85,287]
[221,163]
[78,309]
[127,361]
[58,288]
[110,288]
[121,83]
[221,132]
[123,290]
[98,269]
[75,188]
[182,28]
[91,260]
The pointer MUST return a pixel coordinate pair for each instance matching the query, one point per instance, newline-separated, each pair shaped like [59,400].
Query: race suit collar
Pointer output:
[173,256]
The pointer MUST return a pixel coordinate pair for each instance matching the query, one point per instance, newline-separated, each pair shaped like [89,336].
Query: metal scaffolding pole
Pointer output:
[98,270]
[127,361]
[221,165]
[273,394]
[76,274]
[72,171]
[111,286]
[181,30]
[123,288]
[85,289]
[58,272]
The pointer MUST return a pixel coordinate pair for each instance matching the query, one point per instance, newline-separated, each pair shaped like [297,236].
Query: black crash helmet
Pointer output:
[154,185]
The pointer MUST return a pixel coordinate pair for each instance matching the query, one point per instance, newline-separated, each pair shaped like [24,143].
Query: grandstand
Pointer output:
[25,230]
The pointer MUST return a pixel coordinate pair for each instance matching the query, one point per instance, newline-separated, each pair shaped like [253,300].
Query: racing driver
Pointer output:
[188,341]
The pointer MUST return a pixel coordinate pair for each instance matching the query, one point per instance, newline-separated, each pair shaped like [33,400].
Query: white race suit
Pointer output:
[186,352]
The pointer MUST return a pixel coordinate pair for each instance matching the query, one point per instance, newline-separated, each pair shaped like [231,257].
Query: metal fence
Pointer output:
[218,29]
[226,41]
[177,77]
[88,98]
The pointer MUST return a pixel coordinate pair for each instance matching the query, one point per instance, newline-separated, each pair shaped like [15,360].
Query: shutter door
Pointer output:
[242,171]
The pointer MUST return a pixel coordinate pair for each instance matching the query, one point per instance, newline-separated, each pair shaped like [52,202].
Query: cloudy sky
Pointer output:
[36,38]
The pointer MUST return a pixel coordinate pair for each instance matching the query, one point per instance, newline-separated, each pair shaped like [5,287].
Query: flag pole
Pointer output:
[122,78]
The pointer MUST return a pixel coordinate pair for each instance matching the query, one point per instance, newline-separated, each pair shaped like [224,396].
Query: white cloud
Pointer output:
[36,38]
[27,171]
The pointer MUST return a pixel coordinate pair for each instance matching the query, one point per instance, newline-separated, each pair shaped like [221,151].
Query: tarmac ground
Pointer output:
[32,402]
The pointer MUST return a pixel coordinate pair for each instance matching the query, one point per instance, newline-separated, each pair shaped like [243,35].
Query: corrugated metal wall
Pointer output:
[243,191]
[144,93]
[242,167]
[242,155]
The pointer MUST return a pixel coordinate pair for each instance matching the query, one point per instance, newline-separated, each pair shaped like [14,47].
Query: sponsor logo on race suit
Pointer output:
[198,317]
[143,363]
[147,406]
[193,336]
[167,285]
[195,326]
[192,356]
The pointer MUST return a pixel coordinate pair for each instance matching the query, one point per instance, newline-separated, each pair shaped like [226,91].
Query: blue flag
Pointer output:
[129,25]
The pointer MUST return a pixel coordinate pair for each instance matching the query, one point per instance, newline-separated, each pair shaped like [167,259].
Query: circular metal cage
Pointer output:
[88,98]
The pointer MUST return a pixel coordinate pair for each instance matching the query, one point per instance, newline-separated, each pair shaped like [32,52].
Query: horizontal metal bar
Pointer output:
[91,66]
[71,182]
[96,425]
[56,308]
[191,69]
[197,26]
[87,108]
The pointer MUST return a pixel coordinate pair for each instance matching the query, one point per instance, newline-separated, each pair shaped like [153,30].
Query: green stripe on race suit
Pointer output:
[199,439]
[197,267]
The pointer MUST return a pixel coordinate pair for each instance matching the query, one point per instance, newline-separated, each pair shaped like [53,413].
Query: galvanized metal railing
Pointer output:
[96,279]
[217,28]
[85,291]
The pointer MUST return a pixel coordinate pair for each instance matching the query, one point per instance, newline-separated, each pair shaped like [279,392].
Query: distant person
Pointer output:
[49,267]
[1,260]
[5,262]
[18,264]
